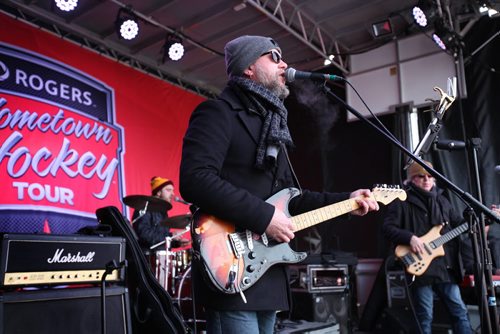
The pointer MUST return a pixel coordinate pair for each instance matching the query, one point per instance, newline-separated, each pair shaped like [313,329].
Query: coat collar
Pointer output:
[246,112]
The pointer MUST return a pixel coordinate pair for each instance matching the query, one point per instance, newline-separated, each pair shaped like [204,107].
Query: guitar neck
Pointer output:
[450,235]
[320,215]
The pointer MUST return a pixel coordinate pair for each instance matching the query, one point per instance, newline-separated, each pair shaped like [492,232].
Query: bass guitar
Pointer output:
[234,261]
[417,264]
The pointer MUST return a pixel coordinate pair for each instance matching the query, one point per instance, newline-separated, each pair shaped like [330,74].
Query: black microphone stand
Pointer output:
[473,203]
[482,274]
[112,265]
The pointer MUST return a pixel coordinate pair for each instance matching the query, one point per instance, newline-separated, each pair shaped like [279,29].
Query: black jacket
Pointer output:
[412,217]
[218,175]
[149,229]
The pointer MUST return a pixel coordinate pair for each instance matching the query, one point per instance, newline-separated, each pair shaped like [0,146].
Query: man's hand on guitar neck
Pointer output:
[417,245]
[280,228]
[365,201]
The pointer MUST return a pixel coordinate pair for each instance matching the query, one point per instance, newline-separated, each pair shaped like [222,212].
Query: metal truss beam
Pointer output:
[296,22]
[99,46]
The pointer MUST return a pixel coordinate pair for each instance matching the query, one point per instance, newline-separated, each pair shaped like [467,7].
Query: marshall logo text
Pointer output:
[70,258]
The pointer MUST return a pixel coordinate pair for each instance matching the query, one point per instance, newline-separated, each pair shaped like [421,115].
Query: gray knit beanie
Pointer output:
[243,51]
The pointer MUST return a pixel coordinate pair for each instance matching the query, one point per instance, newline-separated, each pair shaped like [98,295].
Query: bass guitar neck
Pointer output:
[417,263]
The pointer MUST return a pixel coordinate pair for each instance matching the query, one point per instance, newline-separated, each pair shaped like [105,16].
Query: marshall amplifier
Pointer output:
[319,278]
[32,259]
[62,311]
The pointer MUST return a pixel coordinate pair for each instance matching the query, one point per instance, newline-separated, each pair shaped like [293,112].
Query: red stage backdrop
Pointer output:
[79,131]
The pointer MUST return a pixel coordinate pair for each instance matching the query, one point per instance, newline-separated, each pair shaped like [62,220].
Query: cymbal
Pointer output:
[138,202]
[179,221]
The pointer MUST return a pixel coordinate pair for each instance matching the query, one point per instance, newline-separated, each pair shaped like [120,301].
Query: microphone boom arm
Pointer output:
[434,127]
[468,198]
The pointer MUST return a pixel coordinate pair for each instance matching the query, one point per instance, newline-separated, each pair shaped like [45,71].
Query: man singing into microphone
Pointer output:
[234,158]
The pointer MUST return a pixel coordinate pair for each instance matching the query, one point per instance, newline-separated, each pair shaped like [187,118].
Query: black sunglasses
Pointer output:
[275,55]
[421,176]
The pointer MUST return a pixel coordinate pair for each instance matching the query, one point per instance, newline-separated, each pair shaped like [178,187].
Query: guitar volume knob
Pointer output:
[245,280]
[252,255]
[250,268]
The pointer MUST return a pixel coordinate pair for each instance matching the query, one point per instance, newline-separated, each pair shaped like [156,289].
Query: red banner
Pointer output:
[79,131]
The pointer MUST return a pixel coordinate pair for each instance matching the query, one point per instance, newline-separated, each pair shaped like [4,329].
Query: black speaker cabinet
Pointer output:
[62,311]
[331,307]
[397,290]
[396,320]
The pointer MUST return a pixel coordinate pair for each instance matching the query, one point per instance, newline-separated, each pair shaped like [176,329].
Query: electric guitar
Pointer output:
[234,261]
[417,264]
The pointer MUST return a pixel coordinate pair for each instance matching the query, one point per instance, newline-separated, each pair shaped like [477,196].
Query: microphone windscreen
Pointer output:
[290,74]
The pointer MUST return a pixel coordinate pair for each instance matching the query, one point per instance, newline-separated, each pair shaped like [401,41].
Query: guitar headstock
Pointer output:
[385,193]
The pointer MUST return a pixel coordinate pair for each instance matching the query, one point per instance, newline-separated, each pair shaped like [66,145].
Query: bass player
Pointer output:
[404,224]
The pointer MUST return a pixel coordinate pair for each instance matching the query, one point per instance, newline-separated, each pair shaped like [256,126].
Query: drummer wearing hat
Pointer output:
[148,227]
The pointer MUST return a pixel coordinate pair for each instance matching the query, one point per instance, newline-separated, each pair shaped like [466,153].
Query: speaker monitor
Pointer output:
[397,295]
[396,320]
[69,310]
[322,307]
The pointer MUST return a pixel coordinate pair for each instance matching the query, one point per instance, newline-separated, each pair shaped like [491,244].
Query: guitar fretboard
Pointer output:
[317,216]
[450,235]
[311,218]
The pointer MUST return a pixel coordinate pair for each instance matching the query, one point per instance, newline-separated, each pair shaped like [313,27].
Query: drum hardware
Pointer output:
[180,221]
[143,203]
[168,240]
[167,263]
[192,313]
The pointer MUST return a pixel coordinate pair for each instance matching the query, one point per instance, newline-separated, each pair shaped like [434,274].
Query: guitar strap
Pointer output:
[283,148]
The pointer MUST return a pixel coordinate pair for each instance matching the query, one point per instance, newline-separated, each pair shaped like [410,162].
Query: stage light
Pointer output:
[173,48]
[438,41]
[423,13]
[127,24]
[66,5]
[328,61]
[484,9]
[382,28]
[419,16]
[445,37]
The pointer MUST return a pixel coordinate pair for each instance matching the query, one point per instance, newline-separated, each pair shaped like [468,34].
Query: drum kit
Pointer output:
[171,266]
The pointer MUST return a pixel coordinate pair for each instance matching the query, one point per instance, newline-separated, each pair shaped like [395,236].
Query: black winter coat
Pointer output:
[218,175]
[148,228]
[412,217]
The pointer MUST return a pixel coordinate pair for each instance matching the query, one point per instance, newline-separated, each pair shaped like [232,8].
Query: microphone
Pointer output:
[292,74]
[450,145]
[180,200]
[497,169]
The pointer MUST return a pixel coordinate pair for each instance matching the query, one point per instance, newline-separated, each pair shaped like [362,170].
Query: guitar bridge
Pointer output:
[237,245]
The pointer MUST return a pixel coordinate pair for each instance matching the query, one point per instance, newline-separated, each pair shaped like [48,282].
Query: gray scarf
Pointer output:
[275,129]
